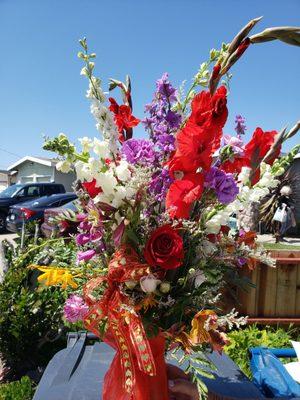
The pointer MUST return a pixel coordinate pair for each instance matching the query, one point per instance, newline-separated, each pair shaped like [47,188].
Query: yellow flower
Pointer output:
[198,332]
[56,276]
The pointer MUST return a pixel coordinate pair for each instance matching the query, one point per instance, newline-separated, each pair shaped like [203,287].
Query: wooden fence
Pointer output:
[276,297]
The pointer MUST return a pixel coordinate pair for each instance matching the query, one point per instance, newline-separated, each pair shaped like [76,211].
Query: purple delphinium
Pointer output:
[75,308]
[162,121]
[139,151]
[223,183]
[240,127]
[160,184]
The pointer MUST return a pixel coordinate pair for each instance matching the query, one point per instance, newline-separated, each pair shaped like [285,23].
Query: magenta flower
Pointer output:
[85,255]
[75,308]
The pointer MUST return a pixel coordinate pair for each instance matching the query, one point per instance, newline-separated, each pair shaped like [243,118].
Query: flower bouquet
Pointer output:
[158,239]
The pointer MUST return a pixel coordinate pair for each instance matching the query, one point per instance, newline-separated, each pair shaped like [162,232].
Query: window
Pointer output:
[33,191]
[51,189]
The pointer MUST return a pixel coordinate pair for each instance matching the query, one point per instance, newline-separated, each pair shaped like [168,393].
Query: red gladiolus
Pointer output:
[91,188]
[123,117]
[201,136]
[256,150]
[164,248]
[182,193]
[210,110]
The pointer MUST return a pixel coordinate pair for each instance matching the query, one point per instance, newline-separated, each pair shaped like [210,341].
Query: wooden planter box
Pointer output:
[276,298]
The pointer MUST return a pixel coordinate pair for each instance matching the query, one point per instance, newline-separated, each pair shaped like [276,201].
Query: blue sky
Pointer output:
[41,91]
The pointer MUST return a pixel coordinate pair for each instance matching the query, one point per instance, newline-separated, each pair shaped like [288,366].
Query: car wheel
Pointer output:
[2,222]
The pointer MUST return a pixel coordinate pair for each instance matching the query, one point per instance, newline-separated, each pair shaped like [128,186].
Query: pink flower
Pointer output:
[85,255]
[75,308]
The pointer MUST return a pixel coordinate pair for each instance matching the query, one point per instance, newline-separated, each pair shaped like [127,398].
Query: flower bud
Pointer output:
[130,284]
[149,283]
[165,287]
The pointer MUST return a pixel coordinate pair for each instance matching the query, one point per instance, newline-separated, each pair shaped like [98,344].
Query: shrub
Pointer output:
[31,316]
[253,336]
[18,390]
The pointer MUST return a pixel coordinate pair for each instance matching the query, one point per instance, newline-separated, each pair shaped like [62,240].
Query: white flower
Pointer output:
[149,283]
[101,148]
[199,278]
[244,175]
[64,166]
[107,181]
[208,248]
[86,144]
[122,171]
[83,171]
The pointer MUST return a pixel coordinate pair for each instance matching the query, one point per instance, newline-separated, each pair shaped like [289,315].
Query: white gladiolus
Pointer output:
[64,166]
[149,283]
[86,144]
[83,171]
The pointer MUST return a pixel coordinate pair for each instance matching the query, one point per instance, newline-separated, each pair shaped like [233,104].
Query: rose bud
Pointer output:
[165,287]
[149,283]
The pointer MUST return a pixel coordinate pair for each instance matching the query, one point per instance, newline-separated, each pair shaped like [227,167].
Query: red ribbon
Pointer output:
[125,329]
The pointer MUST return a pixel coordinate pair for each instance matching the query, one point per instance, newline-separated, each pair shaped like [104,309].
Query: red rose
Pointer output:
[164,248]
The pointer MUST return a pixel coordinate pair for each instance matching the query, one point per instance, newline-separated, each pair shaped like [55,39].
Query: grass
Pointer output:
[280,246]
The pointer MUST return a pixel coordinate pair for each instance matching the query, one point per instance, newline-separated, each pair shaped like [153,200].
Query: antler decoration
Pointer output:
[240,43]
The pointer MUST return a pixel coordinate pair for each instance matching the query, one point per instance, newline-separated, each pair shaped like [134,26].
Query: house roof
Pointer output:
[50,162]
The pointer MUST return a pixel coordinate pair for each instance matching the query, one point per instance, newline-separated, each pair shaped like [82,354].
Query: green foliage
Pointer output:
[31,315]
[18,390]
[253,336]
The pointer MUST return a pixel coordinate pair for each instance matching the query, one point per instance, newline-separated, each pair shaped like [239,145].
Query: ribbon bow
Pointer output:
[124,324]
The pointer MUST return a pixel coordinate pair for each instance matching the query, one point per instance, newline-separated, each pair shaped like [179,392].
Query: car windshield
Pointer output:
[10,191]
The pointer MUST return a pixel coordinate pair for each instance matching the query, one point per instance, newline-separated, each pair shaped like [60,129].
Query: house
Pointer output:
[4,179]
[39,169]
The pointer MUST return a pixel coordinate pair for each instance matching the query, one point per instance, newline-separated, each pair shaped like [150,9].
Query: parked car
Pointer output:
[34,210]
[20,193]
[49,225]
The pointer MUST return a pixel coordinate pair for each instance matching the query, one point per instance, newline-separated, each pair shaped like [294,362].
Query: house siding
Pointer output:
[66,179]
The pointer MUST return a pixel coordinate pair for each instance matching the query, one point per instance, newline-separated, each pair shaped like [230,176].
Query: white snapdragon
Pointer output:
[86,144]
[122,171]
[244,175]
[64,166]
[101,148]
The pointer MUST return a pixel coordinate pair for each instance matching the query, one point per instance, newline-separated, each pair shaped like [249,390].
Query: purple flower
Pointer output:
[223,183]
[166,142]
[241,261]
[162,122]
[236,144]
[75,308]
[139,151]
[240,127]
[85,255]
[160,184]
[165,89]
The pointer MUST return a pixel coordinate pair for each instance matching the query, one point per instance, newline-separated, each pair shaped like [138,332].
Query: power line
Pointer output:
[9,152]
